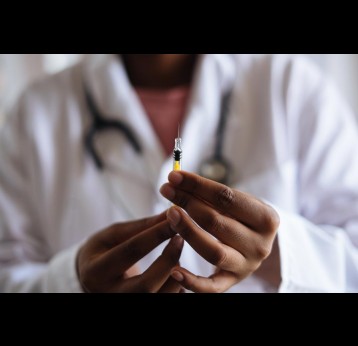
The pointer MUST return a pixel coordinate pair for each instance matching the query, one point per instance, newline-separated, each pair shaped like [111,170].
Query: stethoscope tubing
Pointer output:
[102,124]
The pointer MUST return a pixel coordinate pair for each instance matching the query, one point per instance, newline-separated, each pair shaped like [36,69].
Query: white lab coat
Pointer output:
[290,138]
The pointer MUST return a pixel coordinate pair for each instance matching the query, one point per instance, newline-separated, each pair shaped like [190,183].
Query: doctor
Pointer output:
[85,208]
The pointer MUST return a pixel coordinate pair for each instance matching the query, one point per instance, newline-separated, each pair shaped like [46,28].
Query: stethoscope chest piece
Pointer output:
[217,169]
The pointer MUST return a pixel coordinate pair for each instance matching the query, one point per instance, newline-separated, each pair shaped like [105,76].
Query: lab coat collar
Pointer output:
[111,89]
[114,96]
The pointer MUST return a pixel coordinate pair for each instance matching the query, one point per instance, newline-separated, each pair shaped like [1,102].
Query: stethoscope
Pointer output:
[215,167]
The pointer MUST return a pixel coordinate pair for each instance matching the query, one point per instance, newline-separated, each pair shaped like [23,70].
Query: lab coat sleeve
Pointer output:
[26,264]
[318,245]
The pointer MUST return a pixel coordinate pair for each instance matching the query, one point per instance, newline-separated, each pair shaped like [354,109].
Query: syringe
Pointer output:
[177,153]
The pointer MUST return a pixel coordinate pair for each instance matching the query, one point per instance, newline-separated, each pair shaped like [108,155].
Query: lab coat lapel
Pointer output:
[214,77]
[131,177]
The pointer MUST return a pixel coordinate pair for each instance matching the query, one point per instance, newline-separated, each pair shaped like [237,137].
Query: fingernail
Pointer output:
[175,177]
[178,276]
[178,242]
[167,191]
[173,217]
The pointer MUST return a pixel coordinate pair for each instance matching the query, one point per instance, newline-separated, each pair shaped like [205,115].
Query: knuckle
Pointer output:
[252,266]
[182,200]
[215,222]
[146,287]
[226,197]
[190,285]
[216,289]
[262,251]
[218,257]
[271,221]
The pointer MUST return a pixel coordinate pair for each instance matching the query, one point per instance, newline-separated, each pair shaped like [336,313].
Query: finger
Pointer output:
[171,286]
[203,243]
[120,232]
[229,231]
[118,259]
[239,205]
[158,273]
[216,283]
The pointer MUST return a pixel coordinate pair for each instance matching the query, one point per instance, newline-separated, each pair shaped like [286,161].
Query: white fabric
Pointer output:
[290,138]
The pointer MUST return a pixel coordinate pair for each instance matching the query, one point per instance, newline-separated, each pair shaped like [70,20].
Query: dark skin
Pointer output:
[106,261]
[159,71]
[244,227]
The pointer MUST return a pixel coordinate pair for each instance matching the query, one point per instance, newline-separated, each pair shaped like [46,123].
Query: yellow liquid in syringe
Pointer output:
[176,166]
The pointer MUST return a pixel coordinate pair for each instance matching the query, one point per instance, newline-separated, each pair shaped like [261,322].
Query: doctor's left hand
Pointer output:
[244,228]
[106,261]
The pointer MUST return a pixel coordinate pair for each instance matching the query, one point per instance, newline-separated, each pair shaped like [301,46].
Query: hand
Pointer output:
[244,228]
[105,262]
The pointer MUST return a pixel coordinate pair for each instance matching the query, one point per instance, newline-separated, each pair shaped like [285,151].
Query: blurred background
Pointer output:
[18,70]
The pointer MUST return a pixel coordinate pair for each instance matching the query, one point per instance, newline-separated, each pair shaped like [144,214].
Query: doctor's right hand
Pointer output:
[105,262]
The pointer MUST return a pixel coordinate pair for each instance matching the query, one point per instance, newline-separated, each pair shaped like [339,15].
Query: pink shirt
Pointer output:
[165,109]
